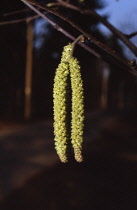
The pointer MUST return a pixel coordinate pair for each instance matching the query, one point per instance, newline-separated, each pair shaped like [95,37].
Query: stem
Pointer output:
[102,51]
[115,31]
[80,38]
[129,36]
[60,29]
[16,12]
[18,20]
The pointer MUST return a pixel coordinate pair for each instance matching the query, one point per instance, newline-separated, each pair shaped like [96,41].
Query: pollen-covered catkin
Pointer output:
[69,68]
[77,123]
[60,105]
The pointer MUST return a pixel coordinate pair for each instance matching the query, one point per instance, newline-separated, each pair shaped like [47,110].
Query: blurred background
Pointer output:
[30,170]
[30,53]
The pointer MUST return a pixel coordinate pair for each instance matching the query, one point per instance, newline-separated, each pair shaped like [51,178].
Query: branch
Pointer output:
[129,36]
[16,12]
[115,31]
[57,27]
[123,37]
[19,20]
[102,51]
[60,29]
[105,53]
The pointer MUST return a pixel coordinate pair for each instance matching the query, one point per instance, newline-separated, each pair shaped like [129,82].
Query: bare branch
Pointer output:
[19,20]
[115,31]
[129,36]
[57,27]
[102,51]
[16,12]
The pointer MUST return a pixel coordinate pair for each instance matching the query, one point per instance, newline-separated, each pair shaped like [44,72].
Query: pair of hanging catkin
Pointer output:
[68,68]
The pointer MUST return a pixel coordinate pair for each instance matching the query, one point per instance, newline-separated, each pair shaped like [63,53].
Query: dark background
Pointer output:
[31,176]
[121,87]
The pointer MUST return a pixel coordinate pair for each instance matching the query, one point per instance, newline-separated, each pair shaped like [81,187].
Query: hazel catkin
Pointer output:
[68,67]
[77,123]
[60,105]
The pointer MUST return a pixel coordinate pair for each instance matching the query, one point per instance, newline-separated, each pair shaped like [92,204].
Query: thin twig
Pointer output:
[111,58]
[57,27]
[79,39]
[16,12]
[106,51]
[129,36]
[19,20]
[123,37]
[115,31]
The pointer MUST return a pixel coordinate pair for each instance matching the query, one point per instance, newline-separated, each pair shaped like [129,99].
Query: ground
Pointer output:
[32,177]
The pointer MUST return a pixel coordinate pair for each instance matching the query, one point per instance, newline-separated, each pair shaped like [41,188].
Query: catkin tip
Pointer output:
[78,155]
[63,159]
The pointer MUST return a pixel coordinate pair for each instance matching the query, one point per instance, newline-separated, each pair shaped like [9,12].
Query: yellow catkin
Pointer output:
[69,66]
[60,105]
[77,123]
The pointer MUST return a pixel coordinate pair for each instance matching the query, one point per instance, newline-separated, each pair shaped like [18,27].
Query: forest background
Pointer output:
[31,175]
[106,85]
